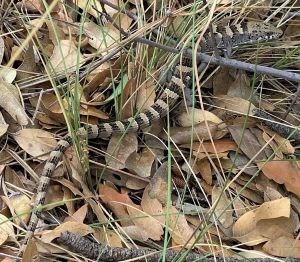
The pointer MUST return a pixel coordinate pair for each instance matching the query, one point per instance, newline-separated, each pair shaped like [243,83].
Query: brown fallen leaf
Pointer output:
[74,227]
[136,233]
[30,252]
[252,227]
[183,135]
[179,228]
[20,207]
[65,57]
[223,208]
[101,37]
[79,215]
[158,185]
[35,142]
[6,229]
[135,213]
[141,163]
[218,146]
[119,148]
[3,125]
[235,104]
[146,94]
[285,172]
[152,206]
[116,202]
[196,116]
[247,142]
[108,237]
[283,246]
[10,102]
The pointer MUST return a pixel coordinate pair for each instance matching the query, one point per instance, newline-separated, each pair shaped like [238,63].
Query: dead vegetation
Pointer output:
[218,178]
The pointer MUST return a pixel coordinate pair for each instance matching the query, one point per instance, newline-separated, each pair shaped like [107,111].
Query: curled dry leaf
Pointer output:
[105,36]
[254,227]
[6,229]
[196,116]
[283,144]
[65,57]
[146,94]
[35,142]
[285,172]
[9,75]
[10,102]
[120,147]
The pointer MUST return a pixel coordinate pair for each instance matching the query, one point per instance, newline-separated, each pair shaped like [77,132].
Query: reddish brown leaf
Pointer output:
[285,172]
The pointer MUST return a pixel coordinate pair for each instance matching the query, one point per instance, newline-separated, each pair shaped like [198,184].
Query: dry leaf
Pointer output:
[283,246]
[183,135]
[158,185]
[101,38]
[285,172]
[6,229]
[196,116]
[136,233]
[79,215]
[252,228]
[205,170]
[120,147]
[3,125]
[10,102]
[244,138]
[152,206]
[74,227]
[218,146]
[108,237]
[223,208]
[235,104]
[146,94]
[117,203]
[146,222]
[180,230]
[65,57]
[20,206]
[141,163]
[35,142]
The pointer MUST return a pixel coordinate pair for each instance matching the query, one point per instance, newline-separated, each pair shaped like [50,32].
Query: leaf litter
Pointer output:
[211,176]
